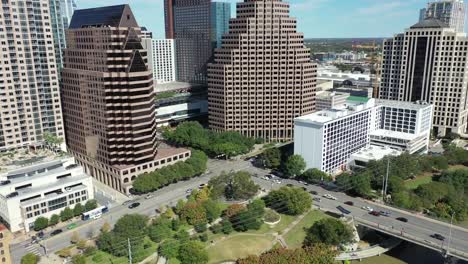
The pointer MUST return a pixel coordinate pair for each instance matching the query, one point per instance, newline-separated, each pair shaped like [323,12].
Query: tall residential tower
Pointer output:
[29,85]
[428,63]
[262,77]
[61,12]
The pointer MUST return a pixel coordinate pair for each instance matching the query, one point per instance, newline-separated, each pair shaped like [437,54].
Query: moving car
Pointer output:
[438,237]
[367,208]
[56,232]
[71,226]
[374,213]
[385,213]
[349,203]
[331,197]
[133,205]
[343,210]
[402,219]
[149,196]
[201,186]
[189,191]
[317,199]
[313,192]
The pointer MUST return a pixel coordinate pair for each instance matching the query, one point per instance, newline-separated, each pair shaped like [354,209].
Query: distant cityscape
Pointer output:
[231,140]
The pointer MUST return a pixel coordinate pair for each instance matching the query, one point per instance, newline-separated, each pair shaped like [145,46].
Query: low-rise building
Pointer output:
[361,158]
[326,139]
[181,107]
[326,99]
[5,238]
[41,189]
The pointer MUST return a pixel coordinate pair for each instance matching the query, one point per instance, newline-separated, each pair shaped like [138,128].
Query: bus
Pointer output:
[95,213]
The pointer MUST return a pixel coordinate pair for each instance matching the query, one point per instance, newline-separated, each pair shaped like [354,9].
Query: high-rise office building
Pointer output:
[428,63]
[193,39]
[169,18]
[161,59]
[61,12]
[197,25]
[451,12]
[29,85]
[422,14]
[220,15]
[262,77]
[108,98]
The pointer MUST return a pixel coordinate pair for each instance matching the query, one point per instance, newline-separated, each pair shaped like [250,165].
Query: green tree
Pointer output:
[294,166]
[30,258]
[286,200]
[315,176]
[78,209]
[159,232]
[212,209]
[329,231]
[51,139]
[90,205]
[182,236]
[234,186]
[54,219]
[227,227]
[40,223]
[270,158]
[316,254]
[250,219]
[78,259]
[193,213]
[66,214]
[193,252]
[169,248]
[201,227]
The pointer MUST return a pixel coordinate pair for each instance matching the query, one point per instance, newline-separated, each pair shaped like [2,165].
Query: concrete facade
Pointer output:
[161,59]
[29,84]
[428,63]
[261,77]
[5,238]
[42,189]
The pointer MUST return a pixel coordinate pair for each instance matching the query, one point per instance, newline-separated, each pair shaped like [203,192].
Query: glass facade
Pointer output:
[61,12]
[220,15]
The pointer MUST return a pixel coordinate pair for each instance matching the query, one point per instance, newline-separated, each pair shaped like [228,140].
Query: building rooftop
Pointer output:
[393,134]
[400,104]
[374,153]
[358,99]
[430,23]
[176,86]
[328,94]
[108,16]
[22,158]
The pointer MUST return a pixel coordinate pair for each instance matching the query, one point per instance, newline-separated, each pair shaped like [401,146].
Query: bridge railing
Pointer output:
[401,233]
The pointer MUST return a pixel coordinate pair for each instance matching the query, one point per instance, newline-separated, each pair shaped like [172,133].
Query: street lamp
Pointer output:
[450,234]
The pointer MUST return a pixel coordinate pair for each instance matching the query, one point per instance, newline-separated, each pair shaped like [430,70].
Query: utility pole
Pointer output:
[386,178]
[129,251]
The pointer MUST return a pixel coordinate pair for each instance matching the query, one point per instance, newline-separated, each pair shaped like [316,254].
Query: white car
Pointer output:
[328,196]
[189,191]
[367,208]
[149,196]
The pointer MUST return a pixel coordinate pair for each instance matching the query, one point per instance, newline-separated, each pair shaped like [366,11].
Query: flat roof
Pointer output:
[393,134]
[401,104]
[374,153]
[349,108]
[358,99]
[175,86]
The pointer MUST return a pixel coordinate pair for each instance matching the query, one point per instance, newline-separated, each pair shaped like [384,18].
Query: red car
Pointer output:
[374,213]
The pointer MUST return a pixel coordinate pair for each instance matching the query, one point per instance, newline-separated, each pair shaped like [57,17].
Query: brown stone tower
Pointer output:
[262,77]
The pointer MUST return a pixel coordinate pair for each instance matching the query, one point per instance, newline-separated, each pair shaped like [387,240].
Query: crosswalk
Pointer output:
[32,248]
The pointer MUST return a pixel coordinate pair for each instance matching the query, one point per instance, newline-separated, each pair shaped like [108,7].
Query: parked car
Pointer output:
[438,237]
[127,202]
[331,197]
[374,213]
[133,205]
[40,234]
[71,226]
[56,232]
[367,208]
[314,192]
[349,203]
[402,219]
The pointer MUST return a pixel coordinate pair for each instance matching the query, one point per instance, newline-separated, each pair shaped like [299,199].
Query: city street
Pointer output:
[416,226]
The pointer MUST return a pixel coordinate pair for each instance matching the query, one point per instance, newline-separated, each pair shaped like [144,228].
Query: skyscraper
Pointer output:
[169,18]
[220,15]
[61,12]
[262,77]
[108,97]
[29,86]
[428,63]
[451,12]
[161,59]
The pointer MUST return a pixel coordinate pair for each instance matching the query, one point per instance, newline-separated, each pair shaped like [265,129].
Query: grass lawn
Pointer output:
[382,259]
[285,221]
[173,261]
[105,258]
[239,246]
[296,235]
[413,184]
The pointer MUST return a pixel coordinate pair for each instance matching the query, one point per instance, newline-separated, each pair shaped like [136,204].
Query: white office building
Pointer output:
[161,59]
[326,139]
[42,189]
[328,99]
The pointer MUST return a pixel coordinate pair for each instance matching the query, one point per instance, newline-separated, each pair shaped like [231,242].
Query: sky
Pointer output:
[315,18]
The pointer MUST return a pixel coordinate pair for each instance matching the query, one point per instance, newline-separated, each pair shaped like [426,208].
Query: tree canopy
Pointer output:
[329,231]
[316,254]
[193,252]
[270,158]
[234,186]
[294,166]
[287,200]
